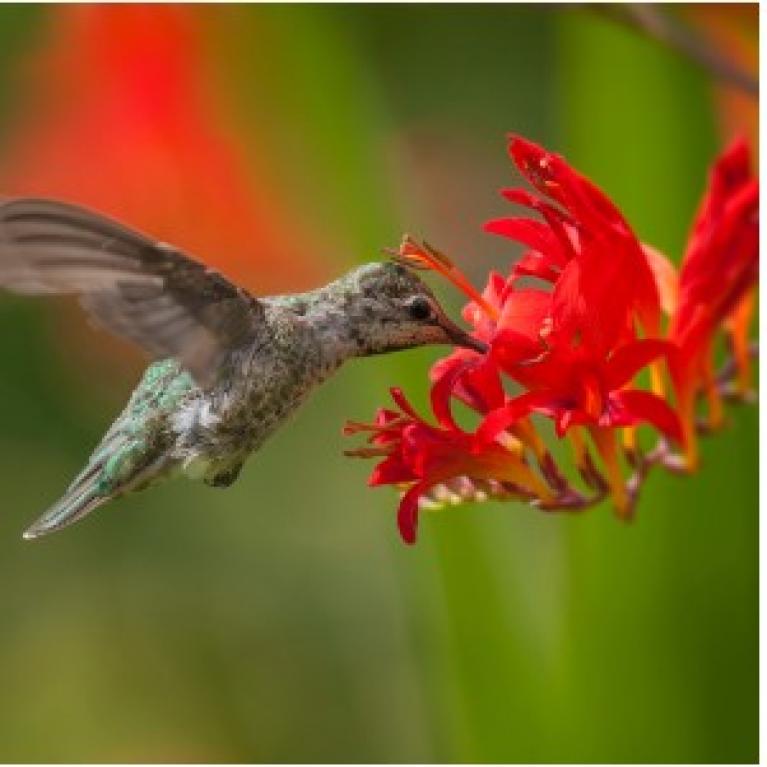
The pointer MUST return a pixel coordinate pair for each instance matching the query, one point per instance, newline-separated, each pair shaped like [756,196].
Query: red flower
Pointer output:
[584,247]
[715,282]
[574,383]
[575,346]
[575,349]
[475,379]
[421,457]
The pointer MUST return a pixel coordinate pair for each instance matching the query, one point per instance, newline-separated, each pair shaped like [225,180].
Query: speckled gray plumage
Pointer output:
[236,366]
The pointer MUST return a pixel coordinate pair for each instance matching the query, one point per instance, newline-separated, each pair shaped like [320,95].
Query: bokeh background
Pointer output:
[283,620]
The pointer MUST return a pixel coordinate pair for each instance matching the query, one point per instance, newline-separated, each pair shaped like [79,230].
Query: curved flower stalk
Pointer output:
[603,307]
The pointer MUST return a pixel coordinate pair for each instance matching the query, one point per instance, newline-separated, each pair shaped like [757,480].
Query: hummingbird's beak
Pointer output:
[461,338]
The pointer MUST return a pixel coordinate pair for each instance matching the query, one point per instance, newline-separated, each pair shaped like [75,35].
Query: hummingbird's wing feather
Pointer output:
[139,288]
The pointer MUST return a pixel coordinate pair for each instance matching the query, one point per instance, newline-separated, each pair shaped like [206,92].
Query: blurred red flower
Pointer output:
[123,115]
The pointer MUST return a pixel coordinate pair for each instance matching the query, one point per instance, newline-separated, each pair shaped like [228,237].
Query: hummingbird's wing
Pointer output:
[139,288]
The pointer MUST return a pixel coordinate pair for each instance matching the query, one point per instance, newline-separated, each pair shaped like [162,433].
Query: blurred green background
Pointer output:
[283,620]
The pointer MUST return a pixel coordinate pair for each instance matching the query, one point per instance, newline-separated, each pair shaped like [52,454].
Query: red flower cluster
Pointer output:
[610,307]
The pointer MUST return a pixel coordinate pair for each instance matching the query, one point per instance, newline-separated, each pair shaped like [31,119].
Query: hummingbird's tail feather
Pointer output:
[117,467]
[135,452]
[82,497]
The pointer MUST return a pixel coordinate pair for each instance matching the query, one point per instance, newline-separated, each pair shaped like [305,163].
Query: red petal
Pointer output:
[665,275]
[502,418]
[391,471]
[628,360]
[643,406]
[731,170]
[510,349]
[407,514]
[442,391]
[524,313]
[534,234]
[399,398]
[568,307]
[534,264]
[481,387]
[554,177]
[555,218]
[721,259]
[536,164]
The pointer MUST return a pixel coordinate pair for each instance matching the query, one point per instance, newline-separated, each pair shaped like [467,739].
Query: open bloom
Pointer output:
[571,346]
[422,456]
[576,344]
[584,247]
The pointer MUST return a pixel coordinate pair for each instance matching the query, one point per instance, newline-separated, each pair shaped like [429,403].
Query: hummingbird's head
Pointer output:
[388,307]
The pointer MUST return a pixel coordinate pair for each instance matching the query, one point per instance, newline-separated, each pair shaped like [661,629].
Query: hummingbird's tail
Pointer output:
[81,498]
[118,466]
[132,455]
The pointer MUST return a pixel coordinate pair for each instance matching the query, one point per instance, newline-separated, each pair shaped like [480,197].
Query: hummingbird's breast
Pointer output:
[262,385]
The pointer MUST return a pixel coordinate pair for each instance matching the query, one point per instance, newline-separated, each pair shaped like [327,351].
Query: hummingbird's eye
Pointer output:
[420,308]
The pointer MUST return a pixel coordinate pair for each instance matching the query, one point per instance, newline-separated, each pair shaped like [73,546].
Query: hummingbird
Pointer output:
[229,367]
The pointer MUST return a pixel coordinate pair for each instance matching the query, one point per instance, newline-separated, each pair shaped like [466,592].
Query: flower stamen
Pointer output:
[424,256]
